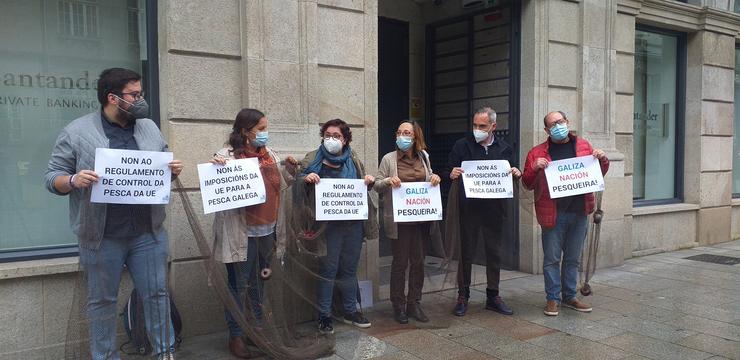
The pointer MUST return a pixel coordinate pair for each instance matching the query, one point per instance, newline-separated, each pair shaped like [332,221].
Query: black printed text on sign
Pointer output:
[131,177]
[341,199]
[487,179]
[237,184]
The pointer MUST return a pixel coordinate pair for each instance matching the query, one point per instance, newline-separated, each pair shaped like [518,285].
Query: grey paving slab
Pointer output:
[456,329]
[653,348]
[640,310]
[353,344]
[521,351]
[502,347]
[579,327]
[709,312]
[713,345]
[578,348]
[623,294]
[400,355]
[426,345]
[648,328]
[707,326]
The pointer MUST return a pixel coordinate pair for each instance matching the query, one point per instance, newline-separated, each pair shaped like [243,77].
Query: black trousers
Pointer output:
[480,225]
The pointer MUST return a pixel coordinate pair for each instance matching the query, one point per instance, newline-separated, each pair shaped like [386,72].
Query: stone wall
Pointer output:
[300,62]
[705,216]
[570,62]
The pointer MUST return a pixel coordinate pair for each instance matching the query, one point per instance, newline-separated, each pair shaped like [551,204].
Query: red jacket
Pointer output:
[546,208]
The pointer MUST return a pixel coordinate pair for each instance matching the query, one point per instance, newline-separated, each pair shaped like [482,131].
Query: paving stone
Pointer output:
[648,328]
[399,355]
[579,327]
[501,346]
[709,312]
[641,311]
[426,345]
[653,348]
[456,329]
[521,351]
[623,294]
[485,341]
[353,344]
[574,347]
[713,345]
[707,326]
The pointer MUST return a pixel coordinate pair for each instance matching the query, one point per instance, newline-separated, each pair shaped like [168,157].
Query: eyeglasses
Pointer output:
[562,121]
[134,94]
[404,133]
[333,136]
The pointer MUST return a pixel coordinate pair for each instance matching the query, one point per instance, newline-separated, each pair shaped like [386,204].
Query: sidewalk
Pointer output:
[661,306]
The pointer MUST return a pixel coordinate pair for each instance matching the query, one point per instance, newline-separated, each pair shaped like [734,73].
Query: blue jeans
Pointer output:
[146,258]
[244,280]
[343,247]
[566,240]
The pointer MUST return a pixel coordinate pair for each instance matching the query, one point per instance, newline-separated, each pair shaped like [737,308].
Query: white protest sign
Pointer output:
[574,176]
[237,184]
[417,201]
[487,179]
[341,199]
[131,177]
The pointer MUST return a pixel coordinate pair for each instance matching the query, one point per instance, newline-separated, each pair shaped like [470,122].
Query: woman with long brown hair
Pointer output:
[245,237]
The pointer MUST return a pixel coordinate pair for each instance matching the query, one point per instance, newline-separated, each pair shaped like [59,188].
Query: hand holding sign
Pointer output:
[574,176]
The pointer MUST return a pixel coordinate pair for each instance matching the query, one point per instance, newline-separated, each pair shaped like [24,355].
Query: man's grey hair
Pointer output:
[488,111]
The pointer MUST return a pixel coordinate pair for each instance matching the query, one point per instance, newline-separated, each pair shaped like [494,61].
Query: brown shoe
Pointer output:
[552,308]
[577,305]
[238,348]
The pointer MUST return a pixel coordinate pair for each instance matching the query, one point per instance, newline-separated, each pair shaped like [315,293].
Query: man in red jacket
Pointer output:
[564,221]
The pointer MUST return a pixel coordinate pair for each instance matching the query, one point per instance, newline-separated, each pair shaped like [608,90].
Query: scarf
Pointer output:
[265,213]
[348,170]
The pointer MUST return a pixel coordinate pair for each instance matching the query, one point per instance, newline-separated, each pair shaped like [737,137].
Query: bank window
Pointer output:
[736,129]
[47,79]
[658,116]
[78,18]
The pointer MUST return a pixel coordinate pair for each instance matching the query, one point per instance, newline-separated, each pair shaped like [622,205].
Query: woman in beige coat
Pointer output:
[409,163]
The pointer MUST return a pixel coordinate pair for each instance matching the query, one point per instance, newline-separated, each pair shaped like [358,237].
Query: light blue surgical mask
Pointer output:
[260,139]
[559,132]
[404,142]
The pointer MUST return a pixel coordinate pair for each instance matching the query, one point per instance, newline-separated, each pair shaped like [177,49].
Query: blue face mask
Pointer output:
[559,132]
[404,142]
[260,139]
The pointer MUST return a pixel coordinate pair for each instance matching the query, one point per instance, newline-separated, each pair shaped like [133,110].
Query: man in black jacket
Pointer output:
[480,218]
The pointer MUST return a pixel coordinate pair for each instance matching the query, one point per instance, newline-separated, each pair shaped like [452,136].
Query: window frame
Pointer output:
[736,133]
[681,67]
[150,73]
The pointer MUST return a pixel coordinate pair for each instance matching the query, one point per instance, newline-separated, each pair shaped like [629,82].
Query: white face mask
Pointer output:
[332,145]
[480,135]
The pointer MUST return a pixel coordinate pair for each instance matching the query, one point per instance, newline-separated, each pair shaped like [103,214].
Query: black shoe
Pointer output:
[461,307]
[400,315]
[326,326]
[414,310]
[357,319]
[498,305]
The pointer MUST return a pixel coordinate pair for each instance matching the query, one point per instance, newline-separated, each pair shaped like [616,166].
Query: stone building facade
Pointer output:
[307,61]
